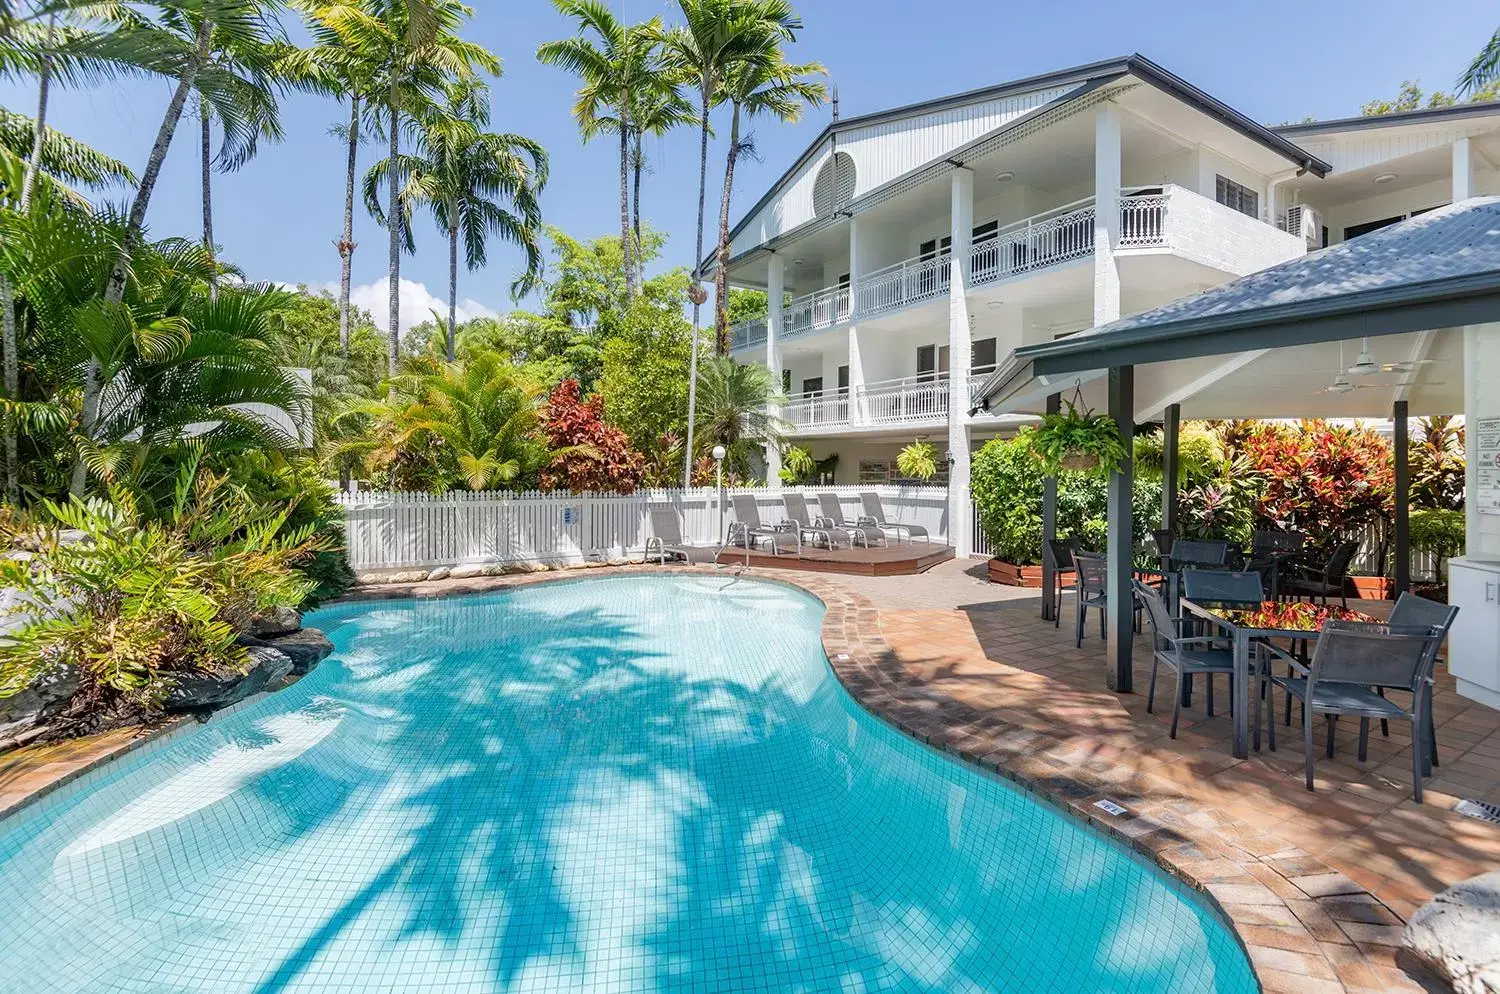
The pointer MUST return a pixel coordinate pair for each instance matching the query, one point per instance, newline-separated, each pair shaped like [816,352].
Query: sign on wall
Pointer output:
[1487,452]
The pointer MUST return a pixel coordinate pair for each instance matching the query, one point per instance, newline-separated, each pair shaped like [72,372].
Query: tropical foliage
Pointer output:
[917,461]
[1077,440]
[130,601]
[590,456]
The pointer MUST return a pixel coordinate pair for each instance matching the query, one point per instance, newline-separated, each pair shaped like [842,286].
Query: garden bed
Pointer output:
[1015,576]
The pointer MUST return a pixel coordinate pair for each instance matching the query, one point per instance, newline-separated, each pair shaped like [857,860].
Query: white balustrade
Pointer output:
[744,334]
[810,410]
[909,282]
[821,309]
[909,398]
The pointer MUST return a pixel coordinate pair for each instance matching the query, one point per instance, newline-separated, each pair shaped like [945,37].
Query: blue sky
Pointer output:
[1274,60]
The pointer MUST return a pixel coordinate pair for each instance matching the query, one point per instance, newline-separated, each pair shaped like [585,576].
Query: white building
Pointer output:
[1066,200]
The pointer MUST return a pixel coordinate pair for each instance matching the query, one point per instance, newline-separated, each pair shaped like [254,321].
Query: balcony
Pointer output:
[1177,219]
[920,399]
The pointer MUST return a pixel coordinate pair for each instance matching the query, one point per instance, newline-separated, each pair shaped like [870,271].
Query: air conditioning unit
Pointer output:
[1306,223]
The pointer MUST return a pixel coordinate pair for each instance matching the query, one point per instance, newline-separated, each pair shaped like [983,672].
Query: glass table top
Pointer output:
[1286,616]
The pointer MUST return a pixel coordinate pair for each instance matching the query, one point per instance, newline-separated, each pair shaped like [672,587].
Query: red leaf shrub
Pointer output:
[594,456]
[1320,478]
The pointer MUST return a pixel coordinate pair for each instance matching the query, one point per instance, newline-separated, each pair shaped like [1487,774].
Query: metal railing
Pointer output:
[809,410]
[820,309]
[751,331]
[1051,238]
[908,398]
[904,283]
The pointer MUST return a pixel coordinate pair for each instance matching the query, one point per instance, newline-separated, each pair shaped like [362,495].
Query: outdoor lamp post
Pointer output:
[719,478]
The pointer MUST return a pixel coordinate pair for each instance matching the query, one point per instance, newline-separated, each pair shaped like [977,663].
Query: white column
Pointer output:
[775,290]
[959,357]
[1106,213]
[856,364]
[1463,171]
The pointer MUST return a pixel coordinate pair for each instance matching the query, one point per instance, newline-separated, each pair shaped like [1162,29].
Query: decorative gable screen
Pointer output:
[834,187]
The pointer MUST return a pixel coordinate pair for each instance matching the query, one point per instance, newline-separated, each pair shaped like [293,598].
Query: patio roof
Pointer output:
[1438,270]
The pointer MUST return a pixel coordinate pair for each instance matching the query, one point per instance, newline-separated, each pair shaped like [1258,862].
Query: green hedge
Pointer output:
[1006,481]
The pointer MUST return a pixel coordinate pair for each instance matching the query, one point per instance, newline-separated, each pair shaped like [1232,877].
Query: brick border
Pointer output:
[1305,927]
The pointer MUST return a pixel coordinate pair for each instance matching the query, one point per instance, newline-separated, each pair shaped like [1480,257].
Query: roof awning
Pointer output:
[1438,270]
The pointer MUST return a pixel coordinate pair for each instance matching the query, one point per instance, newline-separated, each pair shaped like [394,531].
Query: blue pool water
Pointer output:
[619,784]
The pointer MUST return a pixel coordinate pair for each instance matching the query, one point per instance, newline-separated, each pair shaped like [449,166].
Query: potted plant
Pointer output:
[918,461]
[1078,440]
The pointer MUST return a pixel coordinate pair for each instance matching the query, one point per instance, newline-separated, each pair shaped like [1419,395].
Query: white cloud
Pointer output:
[417,303]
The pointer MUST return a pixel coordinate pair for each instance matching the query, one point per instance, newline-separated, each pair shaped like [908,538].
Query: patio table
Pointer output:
[1301,620]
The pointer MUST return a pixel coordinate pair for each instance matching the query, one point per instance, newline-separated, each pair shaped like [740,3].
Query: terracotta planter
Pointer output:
[1372,588]
[1015,576]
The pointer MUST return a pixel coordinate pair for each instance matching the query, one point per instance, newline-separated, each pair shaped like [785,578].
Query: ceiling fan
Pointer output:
[1365,364]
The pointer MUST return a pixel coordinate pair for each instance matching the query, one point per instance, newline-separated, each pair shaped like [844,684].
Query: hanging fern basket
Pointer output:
[1078,440]
[1079,462]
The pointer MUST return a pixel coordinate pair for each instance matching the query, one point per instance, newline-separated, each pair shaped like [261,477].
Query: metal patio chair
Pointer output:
[666,536]
[1412,611]
[1190,552]
[1188,655]
[1057,553]
[1223,588]
[1351,659]
[833,517]
[875,516]
[746,528]
[1325,580]
[797,514]
[1091,590]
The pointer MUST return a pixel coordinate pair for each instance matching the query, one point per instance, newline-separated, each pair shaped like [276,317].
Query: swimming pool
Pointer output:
[618,784]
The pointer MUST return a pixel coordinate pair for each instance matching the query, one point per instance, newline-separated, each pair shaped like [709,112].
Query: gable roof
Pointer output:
[1093,73]
[1436,270]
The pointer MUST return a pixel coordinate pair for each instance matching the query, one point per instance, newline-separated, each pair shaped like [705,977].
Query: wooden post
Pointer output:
[1049,525]
[1402,457]
[1169,445]
[1120,551]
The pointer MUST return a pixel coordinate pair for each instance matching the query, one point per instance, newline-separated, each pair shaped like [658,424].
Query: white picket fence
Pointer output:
[386,530]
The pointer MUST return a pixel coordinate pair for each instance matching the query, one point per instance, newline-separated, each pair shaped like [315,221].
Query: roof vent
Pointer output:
[834,187]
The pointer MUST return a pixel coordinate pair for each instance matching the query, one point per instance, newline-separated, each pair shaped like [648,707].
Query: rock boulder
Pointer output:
[306,647]
[223,686]
[1457,934]
[44,696]
[276,621]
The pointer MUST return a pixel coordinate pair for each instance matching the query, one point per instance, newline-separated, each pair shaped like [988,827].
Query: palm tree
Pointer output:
[256,63]
[414,50]
[1484,70]
[767,85]
[335,66]
[178,44]
[613,72]
[717,36]
[659,107]
[464,173]
[739,411]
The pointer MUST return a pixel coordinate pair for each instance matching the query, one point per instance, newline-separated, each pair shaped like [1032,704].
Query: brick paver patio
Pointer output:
[1316,884]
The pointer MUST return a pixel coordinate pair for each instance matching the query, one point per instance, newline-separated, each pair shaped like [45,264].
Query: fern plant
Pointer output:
[917,461]
[1079,441]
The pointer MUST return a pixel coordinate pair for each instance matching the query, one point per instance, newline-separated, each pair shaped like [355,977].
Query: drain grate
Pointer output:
[1483,810]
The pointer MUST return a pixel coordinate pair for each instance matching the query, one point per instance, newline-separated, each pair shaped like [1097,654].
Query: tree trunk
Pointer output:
[625,201]
[393,223]
[12,387]
[39,133]
[635,208]
[706,92]
[452,287]
[346,243]
[114,291]
[8,341]
[206,140]
[721,255]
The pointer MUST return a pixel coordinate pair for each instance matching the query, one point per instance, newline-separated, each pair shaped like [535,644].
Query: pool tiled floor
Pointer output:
[1316,884]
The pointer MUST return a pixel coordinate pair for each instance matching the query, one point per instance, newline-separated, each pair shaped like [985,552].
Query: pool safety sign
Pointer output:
[1487,468]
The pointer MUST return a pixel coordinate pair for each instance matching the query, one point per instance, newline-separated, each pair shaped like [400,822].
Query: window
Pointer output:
[1354,231]
[1236,197]
[786,381]
[813,385]
[843,381]
[926,362]
[833,187]
[983,355]
[934,247]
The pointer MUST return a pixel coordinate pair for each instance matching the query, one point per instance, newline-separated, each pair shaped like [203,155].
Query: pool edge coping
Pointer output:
[854,654]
